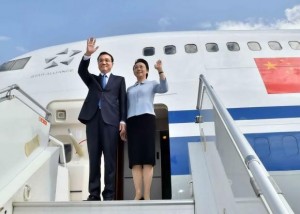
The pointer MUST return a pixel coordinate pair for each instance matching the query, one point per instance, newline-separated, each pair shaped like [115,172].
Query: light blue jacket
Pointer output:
[140,96]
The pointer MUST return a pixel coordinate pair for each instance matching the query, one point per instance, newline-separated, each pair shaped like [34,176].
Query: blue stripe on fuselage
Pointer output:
[179,153]
[277,151]
[273,112]
[253,113]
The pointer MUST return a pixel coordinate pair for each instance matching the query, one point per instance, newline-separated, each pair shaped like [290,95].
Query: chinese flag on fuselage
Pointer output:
[280,75]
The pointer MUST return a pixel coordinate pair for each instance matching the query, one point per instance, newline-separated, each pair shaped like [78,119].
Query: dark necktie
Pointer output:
[104,81]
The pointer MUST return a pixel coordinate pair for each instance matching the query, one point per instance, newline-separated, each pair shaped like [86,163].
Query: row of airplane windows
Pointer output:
[213,47]
[171,49]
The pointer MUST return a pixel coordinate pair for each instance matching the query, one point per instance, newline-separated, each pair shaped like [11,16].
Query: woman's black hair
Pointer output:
[144,62]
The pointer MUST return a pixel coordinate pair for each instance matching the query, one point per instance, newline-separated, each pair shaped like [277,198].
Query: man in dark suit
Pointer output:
[103,112]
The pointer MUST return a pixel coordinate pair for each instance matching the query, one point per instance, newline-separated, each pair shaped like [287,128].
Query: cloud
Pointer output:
[291,21]
[4,38]
[247,25]
[293,14]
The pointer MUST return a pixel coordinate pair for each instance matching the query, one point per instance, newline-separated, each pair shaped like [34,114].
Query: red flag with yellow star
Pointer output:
[280,75]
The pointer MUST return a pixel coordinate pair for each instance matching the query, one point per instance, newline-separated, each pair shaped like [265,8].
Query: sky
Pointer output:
[33,24]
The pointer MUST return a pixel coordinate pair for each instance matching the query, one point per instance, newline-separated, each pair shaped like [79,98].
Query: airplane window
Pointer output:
[290,145]
[233,46]
[295,45]
[6,66]
[274,45]
[170,49]
[149,51]
[254,46]
[212,47]
[190,48]
[20,63]
[14,65]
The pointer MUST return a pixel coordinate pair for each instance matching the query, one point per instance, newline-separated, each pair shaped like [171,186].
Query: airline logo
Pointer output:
[280,75]
[64,57]
[61,61]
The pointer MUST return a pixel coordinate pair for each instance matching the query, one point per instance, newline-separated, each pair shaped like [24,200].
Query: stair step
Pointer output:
[106,207]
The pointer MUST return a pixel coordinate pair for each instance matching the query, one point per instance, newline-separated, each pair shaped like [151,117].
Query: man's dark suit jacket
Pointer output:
[113,97]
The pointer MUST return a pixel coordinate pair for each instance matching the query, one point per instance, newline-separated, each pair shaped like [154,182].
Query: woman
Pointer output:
[141,125]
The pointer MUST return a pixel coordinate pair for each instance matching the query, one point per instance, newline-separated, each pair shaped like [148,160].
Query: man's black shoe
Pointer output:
[108,199]
[93,198]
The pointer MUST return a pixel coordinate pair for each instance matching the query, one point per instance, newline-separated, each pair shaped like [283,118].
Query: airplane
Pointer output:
[254,75]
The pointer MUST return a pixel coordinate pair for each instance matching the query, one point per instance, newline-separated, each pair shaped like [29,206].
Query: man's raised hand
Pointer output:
[90,47]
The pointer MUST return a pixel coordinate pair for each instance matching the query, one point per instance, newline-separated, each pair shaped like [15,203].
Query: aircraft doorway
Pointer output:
[161,183]
[64,118]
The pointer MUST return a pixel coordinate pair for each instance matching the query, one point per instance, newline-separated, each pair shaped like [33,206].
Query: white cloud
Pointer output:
[234,25]
[292,21]
[4,38]
[293,14]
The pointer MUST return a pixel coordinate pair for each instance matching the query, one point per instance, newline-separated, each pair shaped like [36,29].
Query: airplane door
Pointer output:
[161,183]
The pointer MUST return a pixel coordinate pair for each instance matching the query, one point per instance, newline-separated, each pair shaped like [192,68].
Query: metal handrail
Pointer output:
[61,145]
[276,202]
[9,89]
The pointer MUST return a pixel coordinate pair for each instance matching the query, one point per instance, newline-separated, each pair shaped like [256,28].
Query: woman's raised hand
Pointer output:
[158,65]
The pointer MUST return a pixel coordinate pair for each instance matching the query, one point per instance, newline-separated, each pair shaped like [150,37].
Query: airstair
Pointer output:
[225,166]
[227,176]
[32,166]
